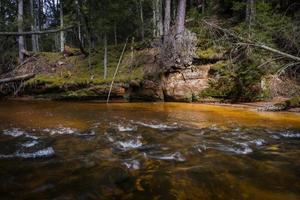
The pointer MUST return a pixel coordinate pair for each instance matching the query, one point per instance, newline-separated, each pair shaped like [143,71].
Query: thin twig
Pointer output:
[116,71]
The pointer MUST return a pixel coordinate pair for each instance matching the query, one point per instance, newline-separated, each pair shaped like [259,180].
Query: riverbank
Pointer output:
[260,106]
[140,78]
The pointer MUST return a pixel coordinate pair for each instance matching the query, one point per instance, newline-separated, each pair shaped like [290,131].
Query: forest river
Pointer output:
[76,150]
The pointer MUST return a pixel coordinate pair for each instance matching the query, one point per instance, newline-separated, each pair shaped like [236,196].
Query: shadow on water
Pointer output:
[57,150]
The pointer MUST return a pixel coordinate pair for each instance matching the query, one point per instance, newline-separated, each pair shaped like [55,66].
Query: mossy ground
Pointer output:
[77,73]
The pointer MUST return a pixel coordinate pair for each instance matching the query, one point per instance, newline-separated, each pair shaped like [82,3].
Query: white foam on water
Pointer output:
[126,128]
[275,137]
[130,144]
[244,150]
[111,139]
[38,154]
[60,131]
[30,144]
[15,132]
[214,127]
[158,126]
[177,156]
[290,135]
[201,148]
[133,164]
[3,156]
[258,142]
[31,136]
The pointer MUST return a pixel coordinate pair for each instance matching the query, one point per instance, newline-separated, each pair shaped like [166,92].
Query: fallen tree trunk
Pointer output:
[248,42]
[35,32]
[17,78]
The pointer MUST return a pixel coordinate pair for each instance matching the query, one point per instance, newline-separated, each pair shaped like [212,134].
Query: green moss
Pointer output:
[72,80]
[210,53]
[51,56]
[293,102]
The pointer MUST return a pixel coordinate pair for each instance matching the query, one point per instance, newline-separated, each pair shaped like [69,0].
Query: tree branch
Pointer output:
[249,42]
[17,78]
[35,32]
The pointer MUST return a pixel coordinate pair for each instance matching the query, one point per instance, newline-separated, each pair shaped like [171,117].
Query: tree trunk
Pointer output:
[167,20]
[62,37]
[105,56]
[142,20]
[38,24]
[181,17]
[78,19]
[115,33]
[250,14]
[20,29]
[174,10]
[33,26]
[154,18]
[159,17]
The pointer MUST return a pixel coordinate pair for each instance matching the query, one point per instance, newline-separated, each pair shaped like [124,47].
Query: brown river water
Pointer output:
[81,150]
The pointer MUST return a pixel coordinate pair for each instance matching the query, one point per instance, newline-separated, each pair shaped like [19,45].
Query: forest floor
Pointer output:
[73,76]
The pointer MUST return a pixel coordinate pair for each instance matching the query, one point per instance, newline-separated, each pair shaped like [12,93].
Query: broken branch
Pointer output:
[17,78]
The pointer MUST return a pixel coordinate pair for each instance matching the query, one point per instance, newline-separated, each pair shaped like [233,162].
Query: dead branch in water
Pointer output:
[17,78]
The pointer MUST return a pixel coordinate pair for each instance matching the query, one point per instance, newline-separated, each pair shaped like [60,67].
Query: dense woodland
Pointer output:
[246,41]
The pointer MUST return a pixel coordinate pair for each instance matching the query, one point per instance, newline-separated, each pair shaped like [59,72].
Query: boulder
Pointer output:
[185,85]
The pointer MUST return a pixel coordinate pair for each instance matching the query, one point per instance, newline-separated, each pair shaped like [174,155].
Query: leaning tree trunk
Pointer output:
[167,19]
[62,37]
[180,17]
[20,30]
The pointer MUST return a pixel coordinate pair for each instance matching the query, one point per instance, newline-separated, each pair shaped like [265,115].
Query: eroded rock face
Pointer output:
[146,90]
[185,84]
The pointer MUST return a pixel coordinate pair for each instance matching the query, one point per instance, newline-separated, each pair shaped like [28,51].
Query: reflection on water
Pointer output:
[56,150]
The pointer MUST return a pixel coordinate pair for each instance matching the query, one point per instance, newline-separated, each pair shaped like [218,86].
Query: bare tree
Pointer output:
[142,19]
[167,19]
[250,14]
[115,33]
[105,56]
[159,8]
[62,37]
[154,18]
[181,17]
[20,30]
[34,38]
[78,18]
